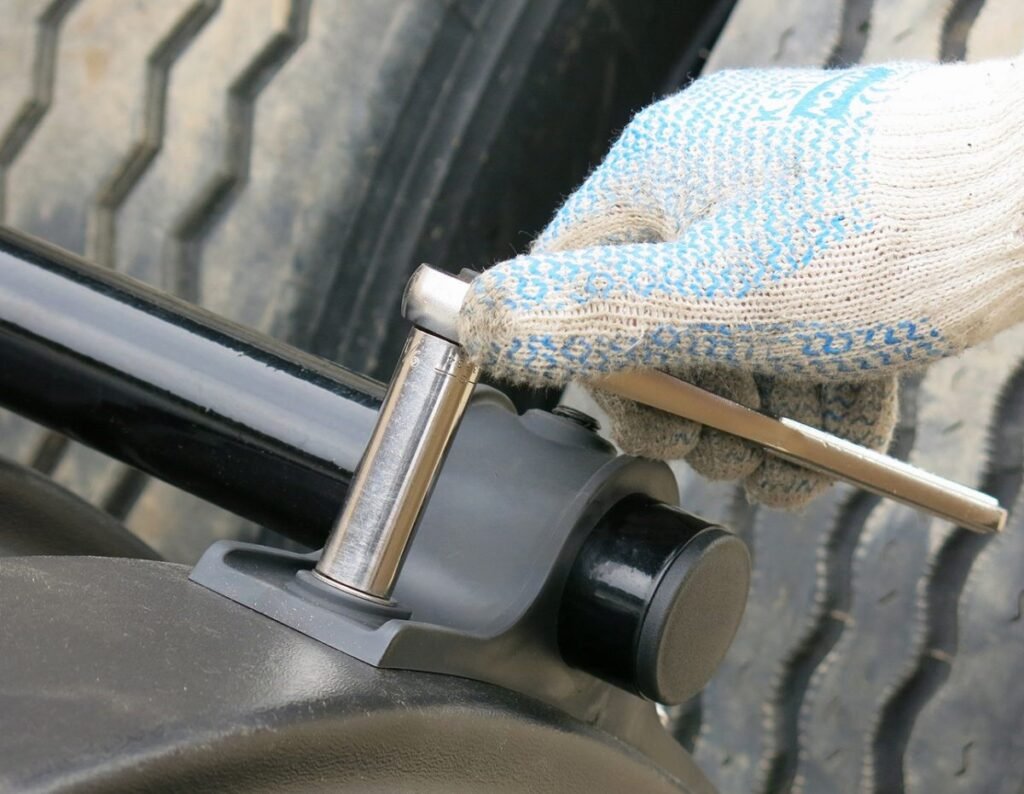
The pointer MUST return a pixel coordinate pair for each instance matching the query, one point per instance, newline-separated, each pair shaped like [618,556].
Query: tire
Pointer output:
[287,163]
[881,649]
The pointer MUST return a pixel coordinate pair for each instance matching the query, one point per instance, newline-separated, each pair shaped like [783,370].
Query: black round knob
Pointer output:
[653,600]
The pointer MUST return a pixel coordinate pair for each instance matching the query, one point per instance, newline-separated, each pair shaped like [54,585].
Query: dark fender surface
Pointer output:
[120,674]
[37,516]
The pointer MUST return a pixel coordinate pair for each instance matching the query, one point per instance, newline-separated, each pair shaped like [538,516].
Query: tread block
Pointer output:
[883,642]
[906,30]
[96,109]
[739,724]
[20,40]
[197,144]
[802,571]
[778,33]
[969,738]
[998,31]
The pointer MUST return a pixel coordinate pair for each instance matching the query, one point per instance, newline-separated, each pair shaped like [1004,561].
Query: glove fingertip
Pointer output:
[781,485]
[489,333]
[719,456]
[647,432]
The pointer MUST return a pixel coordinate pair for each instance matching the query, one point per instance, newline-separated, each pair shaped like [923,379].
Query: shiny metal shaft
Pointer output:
[815,449]
[417,419]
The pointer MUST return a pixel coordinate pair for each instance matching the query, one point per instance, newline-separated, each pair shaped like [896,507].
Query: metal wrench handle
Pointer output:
[815,449]
[433,302]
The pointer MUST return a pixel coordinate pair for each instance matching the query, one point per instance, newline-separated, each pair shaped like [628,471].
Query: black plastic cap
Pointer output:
[693,616]
[653,600]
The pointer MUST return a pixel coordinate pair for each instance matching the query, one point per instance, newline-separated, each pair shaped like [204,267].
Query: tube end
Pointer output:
[432,301]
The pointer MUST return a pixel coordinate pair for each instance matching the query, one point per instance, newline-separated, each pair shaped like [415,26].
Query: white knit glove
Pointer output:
[788,238]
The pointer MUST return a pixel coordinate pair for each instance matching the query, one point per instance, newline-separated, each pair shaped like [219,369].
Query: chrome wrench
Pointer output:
[433,302]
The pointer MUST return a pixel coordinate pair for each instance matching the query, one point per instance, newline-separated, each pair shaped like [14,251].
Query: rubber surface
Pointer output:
[123,676]
[881,650]
[41,518]
[287,163]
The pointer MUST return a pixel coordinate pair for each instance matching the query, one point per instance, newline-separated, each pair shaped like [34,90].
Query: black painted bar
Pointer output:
[235,417]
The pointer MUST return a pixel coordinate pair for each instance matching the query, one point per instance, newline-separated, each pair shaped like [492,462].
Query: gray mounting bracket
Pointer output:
[480,588]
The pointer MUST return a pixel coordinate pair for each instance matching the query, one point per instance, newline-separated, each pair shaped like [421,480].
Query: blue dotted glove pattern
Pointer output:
[746,179]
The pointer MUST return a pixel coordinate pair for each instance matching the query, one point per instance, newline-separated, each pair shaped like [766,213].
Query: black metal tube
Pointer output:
[237,418]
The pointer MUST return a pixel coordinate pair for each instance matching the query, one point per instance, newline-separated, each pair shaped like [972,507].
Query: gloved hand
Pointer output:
[790,239]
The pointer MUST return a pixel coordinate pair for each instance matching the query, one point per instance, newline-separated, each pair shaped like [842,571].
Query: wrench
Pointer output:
[433,301]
